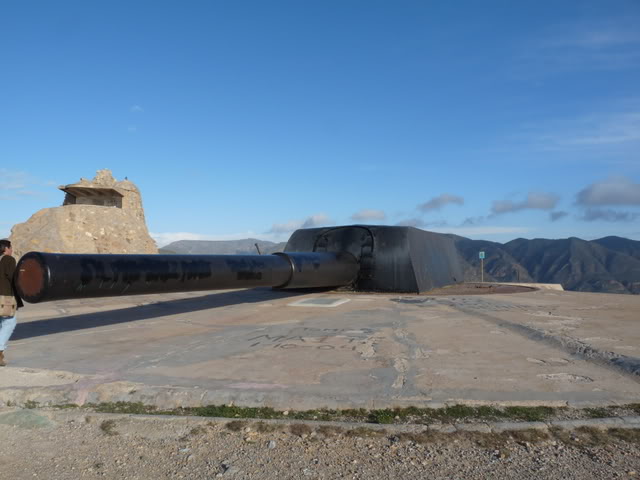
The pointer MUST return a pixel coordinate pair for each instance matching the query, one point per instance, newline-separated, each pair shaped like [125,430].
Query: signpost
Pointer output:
[481,255]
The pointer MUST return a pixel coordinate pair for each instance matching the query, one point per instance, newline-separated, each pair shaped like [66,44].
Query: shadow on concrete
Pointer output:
[50,326]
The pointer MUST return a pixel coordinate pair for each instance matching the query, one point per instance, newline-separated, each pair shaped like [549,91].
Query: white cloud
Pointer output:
[608,215]
[15,184]
[436,203]
[613,191]
[12,180]
[136,109]
[287,227]
[412,222]
[534,201]
[594,38]
[555,216]
[367,215]
[317,220]
[596,129]
[420,223]
[568,48]
[132,129]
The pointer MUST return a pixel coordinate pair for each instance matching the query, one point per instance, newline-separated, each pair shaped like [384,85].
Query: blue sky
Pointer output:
[492,120]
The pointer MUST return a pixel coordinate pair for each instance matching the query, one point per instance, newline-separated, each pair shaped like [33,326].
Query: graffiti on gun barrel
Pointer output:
[316,338]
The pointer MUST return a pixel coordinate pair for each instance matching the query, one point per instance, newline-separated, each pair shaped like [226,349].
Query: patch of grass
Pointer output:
[264,427]
[31,404]
[490,441]
[458,412]
[236,425]
[533,435]
[529,414]
[353,414]
[581,436]
[385,416]
[592,436]
[415,415]
[330,430]
[108,427]
[365,432]
[300,429]
[561,435]
[198,430]
[66,406]
[137,408]
[600,412]
[231,411]
[630,435]
[635,407]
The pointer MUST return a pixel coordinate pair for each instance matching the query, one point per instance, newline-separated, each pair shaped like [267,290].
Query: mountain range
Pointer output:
[609,264]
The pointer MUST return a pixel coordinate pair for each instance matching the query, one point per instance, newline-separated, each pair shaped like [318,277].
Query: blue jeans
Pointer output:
[7,324]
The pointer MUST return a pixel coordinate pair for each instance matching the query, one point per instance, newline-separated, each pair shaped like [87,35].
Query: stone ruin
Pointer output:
[98,216]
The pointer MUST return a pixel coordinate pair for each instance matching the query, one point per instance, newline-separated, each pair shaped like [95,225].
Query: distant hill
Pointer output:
[222,247]
[609,264]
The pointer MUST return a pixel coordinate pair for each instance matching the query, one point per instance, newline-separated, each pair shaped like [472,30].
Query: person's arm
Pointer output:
[8,267]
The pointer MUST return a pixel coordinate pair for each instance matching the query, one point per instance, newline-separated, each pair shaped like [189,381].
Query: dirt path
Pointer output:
[72,445]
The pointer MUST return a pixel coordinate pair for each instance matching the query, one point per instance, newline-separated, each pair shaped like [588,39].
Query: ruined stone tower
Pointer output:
[98,216]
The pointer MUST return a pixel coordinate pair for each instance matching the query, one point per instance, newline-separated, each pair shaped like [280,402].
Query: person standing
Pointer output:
[9,300]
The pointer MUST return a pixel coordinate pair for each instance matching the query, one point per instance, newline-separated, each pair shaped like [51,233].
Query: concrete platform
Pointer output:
[338,350]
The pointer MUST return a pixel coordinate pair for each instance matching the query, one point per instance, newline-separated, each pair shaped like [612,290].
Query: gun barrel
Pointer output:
[44,277]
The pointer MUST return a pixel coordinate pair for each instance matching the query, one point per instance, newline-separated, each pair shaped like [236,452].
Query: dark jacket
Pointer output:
[7,269]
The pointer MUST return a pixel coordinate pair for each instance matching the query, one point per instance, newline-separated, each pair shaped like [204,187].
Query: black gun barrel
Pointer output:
[42,277]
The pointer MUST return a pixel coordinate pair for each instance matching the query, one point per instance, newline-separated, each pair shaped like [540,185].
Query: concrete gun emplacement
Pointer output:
[358,257]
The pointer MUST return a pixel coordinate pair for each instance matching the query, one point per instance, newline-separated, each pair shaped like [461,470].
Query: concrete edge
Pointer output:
[629,422]
[91,391]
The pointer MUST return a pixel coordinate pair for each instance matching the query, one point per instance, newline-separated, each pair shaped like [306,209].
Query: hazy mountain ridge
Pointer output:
[245,246]
[609,264]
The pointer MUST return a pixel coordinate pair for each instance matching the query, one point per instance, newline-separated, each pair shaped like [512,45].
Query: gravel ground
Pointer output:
[72,445]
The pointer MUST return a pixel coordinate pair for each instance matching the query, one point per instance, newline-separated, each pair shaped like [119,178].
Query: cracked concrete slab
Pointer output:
[251,348]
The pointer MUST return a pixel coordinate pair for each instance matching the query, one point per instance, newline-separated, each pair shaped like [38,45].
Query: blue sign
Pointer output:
[481,255]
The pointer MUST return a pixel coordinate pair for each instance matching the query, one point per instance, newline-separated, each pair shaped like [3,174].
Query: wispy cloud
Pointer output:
[555,216]
[412,222]
[593,39]
[436,203]
[317,220]
[534,201]
[608,215]
[15,184]
[367,215]
[589,131]
[136,109]
[421,223]
[11,180]
[469,221]
[613,191]
[581,47]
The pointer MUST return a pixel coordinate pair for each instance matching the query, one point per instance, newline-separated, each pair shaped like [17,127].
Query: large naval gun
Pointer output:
[358,257]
